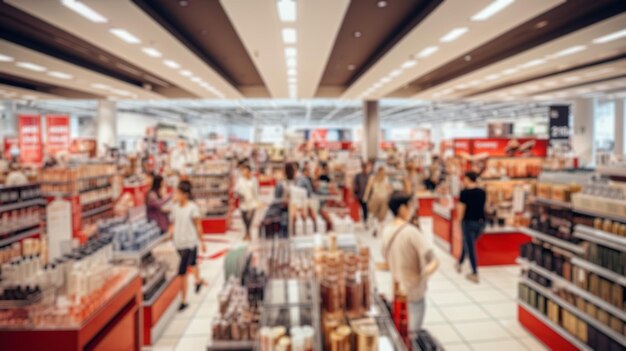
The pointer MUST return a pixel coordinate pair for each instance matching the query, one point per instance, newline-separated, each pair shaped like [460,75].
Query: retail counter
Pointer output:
[160,309]
[115,325]
[425,204]
[496,246]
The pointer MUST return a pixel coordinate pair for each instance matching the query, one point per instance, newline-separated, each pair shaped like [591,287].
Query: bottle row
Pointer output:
[17,194]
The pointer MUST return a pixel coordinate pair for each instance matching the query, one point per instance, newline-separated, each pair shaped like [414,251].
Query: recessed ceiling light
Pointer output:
[186,73]
[357,34]
[292,72]
[385,80]
[125,35]
[183,3]
[509,71]
[427,51]
[541,24]
[610,37]
[351,67]
[289,35]
[287,11]
[381,4]
[171,64]
[291,62]
[550,83]
[569,51]
[533,63]
[395,73]
[60,75]
[491,9]
[292,80]
[408,64]
[599,72]
[290,52]
[453,34]
[100,86]
[492,77]
[5,58]
[84,11]
[152,52]
[196,79]
[467,58]
[31,66]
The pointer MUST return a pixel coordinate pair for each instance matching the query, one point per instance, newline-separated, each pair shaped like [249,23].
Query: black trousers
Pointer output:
[364,209]
[247,217]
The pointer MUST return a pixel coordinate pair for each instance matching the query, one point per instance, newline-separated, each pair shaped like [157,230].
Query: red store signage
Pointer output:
[29,133]
[57,134]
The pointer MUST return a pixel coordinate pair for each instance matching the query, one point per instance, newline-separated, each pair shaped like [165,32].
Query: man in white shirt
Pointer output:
[186,230]
[247,188]
[410,257]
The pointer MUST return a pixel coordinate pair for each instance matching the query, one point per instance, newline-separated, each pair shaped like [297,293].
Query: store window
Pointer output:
[604,126]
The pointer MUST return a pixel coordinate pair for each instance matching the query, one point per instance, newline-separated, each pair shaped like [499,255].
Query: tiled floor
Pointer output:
[461,314]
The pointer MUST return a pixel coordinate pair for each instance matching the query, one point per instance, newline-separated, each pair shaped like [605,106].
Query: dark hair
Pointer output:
[290,170]
[246,166]
[397,199]
[156,184]
[471,175]
[185,187]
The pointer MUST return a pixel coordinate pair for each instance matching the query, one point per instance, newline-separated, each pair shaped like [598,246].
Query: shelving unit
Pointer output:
[24,203]
[551,202]
[600,237]
[601,271]
[553,240]
[213,192]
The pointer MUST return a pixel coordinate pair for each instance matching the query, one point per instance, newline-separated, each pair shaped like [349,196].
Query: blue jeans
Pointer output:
[417,311]
[471,232]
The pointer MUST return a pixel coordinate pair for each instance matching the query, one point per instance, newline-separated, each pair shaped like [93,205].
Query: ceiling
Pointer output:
[311,60]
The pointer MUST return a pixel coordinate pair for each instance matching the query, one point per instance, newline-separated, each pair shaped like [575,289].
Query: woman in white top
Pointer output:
[247,188]
[377,194]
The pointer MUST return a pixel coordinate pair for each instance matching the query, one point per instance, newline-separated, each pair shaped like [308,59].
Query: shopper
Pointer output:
[303,179]
[16,176]
[410,257]
[359,184]
[377,193]
[247,188]
[471,210]
[281,192]
[186,231]
[156,202]
[411,181]
[324,173]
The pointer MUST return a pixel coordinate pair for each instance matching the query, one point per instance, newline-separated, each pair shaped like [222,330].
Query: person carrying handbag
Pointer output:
[410,257]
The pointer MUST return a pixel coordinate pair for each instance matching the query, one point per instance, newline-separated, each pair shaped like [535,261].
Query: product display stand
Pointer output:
[571,293]
[21,214]
[113,326]
[425,204]
[160,309]
[214,194]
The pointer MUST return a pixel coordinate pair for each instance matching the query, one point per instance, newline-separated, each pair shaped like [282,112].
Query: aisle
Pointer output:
[463,315]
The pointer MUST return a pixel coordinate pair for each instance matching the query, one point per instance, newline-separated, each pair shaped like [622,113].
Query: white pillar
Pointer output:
[8,120]
[620,127]
[371,130]
[582,138]
[106,124]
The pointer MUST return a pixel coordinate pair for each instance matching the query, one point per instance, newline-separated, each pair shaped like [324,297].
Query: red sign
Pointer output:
[318,134]
[9,143]
[57,133]
[525,147]
[29,130]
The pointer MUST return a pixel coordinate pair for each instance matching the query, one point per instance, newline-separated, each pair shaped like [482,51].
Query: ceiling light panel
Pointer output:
[610,37]
[289,35]
[84,10]
[125,35]
[5,58]
[152,52]
[569,51]
[31,66]
[287,10]
[453,35]
[492,9]
[171,64]
[427,51]
[60,75]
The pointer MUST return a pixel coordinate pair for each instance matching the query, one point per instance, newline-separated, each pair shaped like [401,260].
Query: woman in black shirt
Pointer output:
[471,210]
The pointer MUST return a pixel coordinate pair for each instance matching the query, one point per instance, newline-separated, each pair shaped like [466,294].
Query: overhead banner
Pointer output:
[502,147]
[57,134]
[559,122]
[29,134]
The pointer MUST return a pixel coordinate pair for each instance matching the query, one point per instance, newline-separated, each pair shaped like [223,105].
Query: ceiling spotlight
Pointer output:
[186,73]
[100,86]
[395,73]
[408,64]
[381,4]
[491,9]
[31,66]
[351,67]
[84,11]
[453,34]
[427,51]
[357,34]
[183,3]
[467,58]
[533,63]
[541,24]
[5,58]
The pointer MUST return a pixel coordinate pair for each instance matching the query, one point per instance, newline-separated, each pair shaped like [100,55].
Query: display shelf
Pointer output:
[501,230]
[611,171]
[599,214]
[552,202]
[600,237]
[85,203]
[96,211]
[159,311]
[22,204]
[574,289]
[23,227]
[553,240]
[138,255]
[157,277]
[621,339]
[601,271]
[19,237]
[231,345]
[555,327]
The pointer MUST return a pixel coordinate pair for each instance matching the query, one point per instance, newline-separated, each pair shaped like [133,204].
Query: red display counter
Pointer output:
[114,326]
[494,247]
[215,225]
[425,205]
[545,330]
[160,310]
